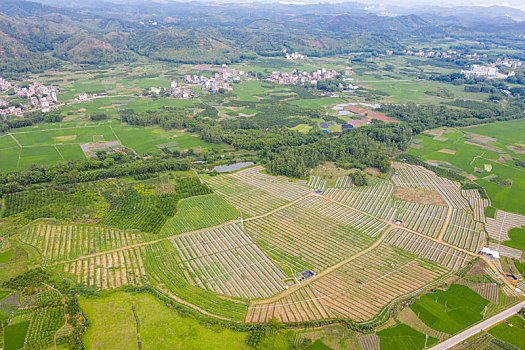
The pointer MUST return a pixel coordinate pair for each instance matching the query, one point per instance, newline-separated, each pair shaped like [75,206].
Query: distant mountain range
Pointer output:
[36,35]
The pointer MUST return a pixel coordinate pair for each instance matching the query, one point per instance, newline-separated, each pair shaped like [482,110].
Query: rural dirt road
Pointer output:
[478,327]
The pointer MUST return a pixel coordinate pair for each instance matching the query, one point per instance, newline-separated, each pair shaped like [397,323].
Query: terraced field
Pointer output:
[304,239]
[356,290]
[428,249]
[279,186]
[419,177]
[344,215]
[227,261]
[199,212]
[209,259]
[108,270]
[65,242]
[427,219]
[316,182]
[248,199]
[499,227]
[477,204]
[164,271]
[376,200]
[464,232]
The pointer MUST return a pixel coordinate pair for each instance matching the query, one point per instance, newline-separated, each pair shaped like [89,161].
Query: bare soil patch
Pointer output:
[435,132]
[329,171]
[416,146]
[485,147]
[440,138]
[517,150]
[65,138]
[447,151]
[419,195]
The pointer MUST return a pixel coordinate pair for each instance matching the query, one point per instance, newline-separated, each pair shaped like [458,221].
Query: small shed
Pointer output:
[492,254]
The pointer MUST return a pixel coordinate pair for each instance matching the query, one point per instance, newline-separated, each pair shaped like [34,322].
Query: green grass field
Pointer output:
[5,256]
[475,160]
[51,143]
[450,311]
[511,331]
[517,238]
[403,337]
[112,326]
[14,335]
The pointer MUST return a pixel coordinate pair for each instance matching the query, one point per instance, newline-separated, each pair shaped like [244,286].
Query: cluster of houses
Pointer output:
[294,56]
[220,80]
[297,77]
[40,96]
[507,63]
[181,92]
[489,71]
[438,54]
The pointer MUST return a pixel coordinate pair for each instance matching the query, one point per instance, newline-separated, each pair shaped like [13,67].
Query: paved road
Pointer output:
[478,327]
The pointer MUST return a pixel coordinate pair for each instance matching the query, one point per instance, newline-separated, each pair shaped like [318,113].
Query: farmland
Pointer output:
[357,289]
[451,310]
[510,331]
[204,251]
[496,146]
[204,255]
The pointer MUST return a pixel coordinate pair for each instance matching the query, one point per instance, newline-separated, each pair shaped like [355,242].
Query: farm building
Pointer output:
[492,254]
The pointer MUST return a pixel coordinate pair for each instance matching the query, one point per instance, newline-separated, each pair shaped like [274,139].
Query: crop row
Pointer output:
[248,199]
[477,204]
[279,186]
[199,212]
[162,264]
[418,177]
[227,261]
[506,251]
[66,242]
[343,181]
[108,270]
[47,297]
[369,342]
[436,252]
[44,323]
[375,200]
[499,227]
[426,219]
[346,216]
[316,182]
[407,175]
[358,290]
[304,239]
[462,231]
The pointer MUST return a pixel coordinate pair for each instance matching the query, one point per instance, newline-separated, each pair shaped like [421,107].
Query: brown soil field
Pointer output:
[65,138]
[419,195]
[447,151]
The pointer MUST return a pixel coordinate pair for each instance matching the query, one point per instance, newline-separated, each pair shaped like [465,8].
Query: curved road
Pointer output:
[478,327]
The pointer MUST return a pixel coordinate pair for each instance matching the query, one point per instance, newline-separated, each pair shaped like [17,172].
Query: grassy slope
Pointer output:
[469,156]
[113,326]
[511,331]
[463,308]
[403,337]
